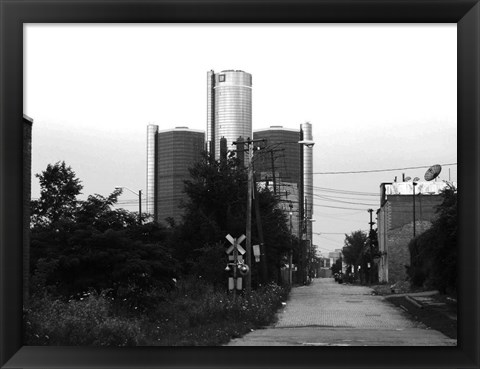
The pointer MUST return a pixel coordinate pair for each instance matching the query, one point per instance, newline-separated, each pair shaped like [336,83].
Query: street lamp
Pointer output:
[139,200]
[414,184]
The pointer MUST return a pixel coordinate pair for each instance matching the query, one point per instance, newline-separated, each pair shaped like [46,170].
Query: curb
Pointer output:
[425,293]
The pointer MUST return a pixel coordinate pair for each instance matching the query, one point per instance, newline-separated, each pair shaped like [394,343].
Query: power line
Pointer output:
[381,170]
[325,198]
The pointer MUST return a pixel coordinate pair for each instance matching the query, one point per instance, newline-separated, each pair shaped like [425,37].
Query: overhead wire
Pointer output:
[382,170]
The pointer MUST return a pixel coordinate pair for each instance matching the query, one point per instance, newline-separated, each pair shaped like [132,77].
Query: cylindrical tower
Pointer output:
[152,130]
[229,108]
[308,177]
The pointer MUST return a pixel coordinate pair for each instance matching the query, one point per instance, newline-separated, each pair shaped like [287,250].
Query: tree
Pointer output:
[91,245]
[353,251]
[59,188]
[434,252]
[337,266]
[216,206]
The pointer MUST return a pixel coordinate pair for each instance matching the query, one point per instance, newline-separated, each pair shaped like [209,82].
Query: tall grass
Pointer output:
[193,314]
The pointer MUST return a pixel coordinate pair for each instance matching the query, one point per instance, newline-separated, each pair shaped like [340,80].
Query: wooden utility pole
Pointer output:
[263,251]
[248,284]
[248,244]
[140,206]
[370,278]
[235,261]
[273,173]
[290,254]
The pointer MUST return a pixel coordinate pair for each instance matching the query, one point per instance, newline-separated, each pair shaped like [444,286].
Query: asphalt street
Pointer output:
[326,313]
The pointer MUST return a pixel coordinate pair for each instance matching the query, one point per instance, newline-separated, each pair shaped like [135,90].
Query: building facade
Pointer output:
[396,219]
[229,108]
[170,155]
[152,131]
[278,166]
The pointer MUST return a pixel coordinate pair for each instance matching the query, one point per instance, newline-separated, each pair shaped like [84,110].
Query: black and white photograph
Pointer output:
[240,184]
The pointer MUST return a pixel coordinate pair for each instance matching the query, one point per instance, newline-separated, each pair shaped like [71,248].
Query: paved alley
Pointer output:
[326,313]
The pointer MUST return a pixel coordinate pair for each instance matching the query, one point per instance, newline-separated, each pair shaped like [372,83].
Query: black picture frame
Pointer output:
[14,13]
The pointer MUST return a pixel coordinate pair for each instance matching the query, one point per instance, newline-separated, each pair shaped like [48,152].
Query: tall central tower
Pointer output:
[229,108]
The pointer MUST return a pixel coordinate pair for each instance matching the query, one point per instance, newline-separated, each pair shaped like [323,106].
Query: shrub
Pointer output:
[197,314]
[82,323]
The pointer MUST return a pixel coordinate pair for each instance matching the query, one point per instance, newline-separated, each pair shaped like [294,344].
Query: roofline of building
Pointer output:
[177,129]
[276,128]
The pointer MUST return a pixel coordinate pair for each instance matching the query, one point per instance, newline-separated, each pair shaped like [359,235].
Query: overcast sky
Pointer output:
[378,97]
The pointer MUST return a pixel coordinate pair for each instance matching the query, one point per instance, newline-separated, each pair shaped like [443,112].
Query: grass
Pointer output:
[194,314]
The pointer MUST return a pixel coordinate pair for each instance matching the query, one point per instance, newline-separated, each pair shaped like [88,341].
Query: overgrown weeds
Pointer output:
[194,313]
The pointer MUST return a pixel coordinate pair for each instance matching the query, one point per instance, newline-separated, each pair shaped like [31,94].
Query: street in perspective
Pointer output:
[328,314]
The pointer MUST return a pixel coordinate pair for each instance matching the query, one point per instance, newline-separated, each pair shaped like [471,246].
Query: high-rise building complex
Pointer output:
[170,154]
[229,108]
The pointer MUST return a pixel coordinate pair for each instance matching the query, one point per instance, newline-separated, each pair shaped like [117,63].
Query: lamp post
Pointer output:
[139,201]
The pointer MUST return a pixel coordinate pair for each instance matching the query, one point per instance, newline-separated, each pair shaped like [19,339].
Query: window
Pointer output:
[221,78]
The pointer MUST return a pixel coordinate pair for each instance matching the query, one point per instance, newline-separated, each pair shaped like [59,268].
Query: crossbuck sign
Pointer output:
[235,243]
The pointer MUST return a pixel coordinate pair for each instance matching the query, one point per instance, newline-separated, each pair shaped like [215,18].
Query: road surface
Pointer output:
[326,313]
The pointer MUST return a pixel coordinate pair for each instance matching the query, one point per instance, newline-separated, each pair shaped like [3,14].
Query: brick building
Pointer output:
[395,220]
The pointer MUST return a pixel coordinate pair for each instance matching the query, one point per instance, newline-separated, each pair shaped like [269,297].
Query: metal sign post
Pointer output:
[236,261]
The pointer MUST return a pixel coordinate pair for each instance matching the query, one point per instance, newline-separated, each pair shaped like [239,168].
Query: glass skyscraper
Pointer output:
[229,108]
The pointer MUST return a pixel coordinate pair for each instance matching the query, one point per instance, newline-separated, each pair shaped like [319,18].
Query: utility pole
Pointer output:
[140,206]
[273,173]
[414,230]
[370,279]
[290,256]
[235,261]
[248,244]
[248,284]
[263,251]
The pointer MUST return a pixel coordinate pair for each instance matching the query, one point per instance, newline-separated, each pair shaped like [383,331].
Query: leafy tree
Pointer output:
[434,252]
[337,267]
[216,206]
[353,251]
[91,245]
[59,188]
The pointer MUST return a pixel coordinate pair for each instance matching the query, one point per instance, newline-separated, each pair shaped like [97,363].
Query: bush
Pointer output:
[197,314]
[434,252]
[82,323]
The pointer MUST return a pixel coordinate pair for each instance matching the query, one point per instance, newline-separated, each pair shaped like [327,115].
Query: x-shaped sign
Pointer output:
[235,243]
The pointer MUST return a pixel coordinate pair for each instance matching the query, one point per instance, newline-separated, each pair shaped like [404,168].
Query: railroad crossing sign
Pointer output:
[235,244]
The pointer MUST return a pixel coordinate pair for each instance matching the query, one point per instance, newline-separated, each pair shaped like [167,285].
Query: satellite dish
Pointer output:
[433,172]
[416,179]
[407,178]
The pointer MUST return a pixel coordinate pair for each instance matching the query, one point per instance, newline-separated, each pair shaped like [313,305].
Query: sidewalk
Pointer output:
[329,314]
